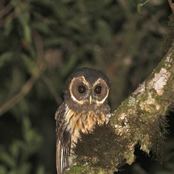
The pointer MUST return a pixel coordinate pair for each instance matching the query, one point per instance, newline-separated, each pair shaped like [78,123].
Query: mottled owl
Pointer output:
[85,105]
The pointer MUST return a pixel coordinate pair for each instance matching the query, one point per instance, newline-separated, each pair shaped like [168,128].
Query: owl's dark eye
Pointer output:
[98,89]
[81,89]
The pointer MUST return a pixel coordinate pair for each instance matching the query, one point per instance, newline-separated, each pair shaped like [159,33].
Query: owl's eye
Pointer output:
[98,89]
[81,89]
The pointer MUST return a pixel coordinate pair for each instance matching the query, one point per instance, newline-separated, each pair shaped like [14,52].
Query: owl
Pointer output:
[85,105]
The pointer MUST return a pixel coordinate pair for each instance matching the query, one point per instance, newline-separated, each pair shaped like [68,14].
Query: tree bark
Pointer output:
[140,119]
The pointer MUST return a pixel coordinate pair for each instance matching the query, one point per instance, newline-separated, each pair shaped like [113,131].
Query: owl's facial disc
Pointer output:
[83,92]
[100,91]
[80,90]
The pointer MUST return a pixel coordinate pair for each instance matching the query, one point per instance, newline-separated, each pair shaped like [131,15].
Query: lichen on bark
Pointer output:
[140,119]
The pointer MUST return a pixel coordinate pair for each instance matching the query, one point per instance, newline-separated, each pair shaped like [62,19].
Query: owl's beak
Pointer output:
[90,99]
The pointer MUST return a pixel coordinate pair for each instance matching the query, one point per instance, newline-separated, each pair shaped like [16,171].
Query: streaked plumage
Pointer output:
[85,104]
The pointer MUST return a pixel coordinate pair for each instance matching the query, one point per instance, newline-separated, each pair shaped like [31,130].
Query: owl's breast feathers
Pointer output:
[69,125]
[84,121]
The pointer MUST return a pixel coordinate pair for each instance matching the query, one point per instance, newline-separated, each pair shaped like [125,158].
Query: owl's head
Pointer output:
[87,86]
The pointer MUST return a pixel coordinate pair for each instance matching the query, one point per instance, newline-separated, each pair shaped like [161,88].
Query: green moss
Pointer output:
[144,97]
[75,169]
[102,149]
[157,98]
[123,107]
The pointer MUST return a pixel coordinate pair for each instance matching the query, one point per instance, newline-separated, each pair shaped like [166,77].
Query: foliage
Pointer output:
[42,42]
[15,159]
[141,5]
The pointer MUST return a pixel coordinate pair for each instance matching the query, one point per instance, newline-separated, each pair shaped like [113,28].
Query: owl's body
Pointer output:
[85,105]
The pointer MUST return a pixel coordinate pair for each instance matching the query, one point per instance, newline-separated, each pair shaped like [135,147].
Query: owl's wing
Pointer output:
[63,143]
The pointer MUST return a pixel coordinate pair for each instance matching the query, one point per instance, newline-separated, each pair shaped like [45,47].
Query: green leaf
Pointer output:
[27,34]
[29,63]
[40,170]
[23,106]
[42,27]
[32,138]
[24,21]
[14,149]
[75,24]
[24,168]
[140,5]
[13,171]
[53,41]
[26,126]
[60,10]
[103,34]
[3,169]
[5,57]
[7,159]
[8,26]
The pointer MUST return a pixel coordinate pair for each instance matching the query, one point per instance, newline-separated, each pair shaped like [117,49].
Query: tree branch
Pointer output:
[171,5]
[24,91]
[139,119]
[39,68]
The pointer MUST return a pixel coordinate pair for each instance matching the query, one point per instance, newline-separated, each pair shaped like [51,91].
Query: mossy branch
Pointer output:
[139,119]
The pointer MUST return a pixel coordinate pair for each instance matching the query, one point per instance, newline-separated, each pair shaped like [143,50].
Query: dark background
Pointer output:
[57,37]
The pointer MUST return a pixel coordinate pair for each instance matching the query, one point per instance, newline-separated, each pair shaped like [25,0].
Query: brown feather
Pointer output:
[63,144]
[77,114]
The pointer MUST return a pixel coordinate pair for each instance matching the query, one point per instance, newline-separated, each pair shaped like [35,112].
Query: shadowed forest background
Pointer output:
[43,41]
